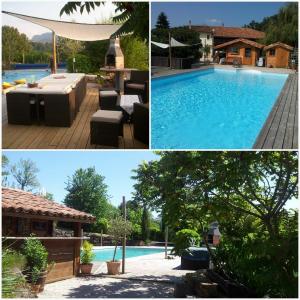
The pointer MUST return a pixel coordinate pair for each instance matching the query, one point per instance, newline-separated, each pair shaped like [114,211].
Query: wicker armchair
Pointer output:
[138,84]
[140,119]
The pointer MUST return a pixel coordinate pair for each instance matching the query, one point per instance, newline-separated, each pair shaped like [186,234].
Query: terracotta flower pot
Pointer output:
[113,267]
[35,288]
[86,269]
[42,280]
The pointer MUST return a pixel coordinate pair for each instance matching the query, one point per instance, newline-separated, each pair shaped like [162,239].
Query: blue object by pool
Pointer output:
[107,254]
[212,109]
[12,75]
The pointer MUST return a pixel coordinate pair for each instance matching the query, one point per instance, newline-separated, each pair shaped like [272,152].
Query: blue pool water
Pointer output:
[35,74]
[212,109]
[107,254]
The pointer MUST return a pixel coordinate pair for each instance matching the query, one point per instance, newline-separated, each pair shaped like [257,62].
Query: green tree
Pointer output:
[14,46]
[162,21]
[87,192]
[134,16]
[5,170]
[25,174]
[49,196]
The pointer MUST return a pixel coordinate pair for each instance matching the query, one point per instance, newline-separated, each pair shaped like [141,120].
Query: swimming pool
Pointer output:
[212,109]
[106,254]
[35,74]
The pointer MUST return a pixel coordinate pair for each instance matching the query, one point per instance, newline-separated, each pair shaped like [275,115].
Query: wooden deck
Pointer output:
[280,130]
[75,137]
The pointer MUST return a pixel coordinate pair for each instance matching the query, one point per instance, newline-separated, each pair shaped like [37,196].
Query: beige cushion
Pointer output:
[108,116]
[137,86]
[108,93]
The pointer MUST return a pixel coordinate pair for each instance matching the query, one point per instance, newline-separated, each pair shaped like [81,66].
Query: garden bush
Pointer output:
[36,257]
[184,239]
[82,65]
[13,282]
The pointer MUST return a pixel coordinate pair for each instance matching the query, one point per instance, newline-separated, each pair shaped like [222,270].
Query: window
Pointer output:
[247,52]
[272,52]
[208,37]
[234,50]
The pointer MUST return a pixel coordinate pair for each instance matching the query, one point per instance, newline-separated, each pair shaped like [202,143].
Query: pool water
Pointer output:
[36,74]
[212,109]
[107,254]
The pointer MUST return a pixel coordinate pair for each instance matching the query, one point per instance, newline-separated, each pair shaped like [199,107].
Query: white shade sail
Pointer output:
[74,31]
[174,43]
[161,45]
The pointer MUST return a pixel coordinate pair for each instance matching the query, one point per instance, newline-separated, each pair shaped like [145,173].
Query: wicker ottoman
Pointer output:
[108,99]
[106,127]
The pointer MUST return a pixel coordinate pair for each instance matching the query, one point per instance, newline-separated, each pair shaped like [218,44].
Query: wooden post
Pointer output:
[101,238]
[124,238]
[166,241]
[170,51]
[77,244]
[54,52]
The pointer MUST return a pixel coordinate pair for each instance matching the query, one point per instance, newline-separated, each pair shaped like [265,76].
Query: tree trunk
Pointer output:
[115,251]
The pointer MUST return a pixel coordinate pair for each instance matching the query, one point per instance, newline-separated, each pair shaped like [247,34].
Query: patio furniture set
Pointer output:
[54,100]
[115,109]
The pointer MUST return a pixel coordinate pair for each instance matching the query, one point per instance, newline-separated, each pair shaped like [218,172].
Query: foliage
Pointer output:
[134,16]
[184,239]
[82,64]
[14,46]
[49,196]
[136,52]
[87,255]
[145,225]
[181,34]
[101,225]
[5,169]
[25,173]
[67,48]
[13,263]
[87,192]
[193,189]
[162,21]
[282,27]
[118,227]
[36,257]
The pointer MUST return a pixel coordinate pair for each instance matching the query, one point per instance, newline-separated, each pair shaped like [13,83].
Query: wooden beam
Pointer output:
[54,69]
[77,245]
[166,241]
[40,217]
[170,51]
[124,239]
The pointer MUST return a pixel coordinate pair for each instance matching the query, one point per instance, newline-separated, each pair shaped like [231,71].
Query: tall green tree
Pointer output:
[5,170]
[162,21]
[87,192]
[14,46]
[134,16]
[25,173]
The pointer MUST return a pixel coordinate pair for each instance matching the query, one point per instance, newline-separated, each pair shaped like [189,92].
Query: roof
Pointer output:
[25,203]
[245,41]
[279,44]
[231,32]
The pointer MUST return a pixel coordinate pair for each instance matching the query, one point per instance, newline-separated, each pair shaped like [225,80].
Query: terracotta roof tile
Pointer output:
[279,44]
[231,32]
[245,41]
[18,201]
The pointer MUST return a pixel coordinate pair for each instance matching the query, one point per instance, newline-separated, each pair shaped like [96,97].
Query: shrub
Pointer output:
[101,225]
[13,264]
[36,257]
[184,239]
[82,65]
[87,255]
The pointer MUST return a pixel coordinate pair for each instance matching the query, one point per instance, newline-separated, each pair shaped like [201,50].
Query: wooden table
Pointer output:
[119,76]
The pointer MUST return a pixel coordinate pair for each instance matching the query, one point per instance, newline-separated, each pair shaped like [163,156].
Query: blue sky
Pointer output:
[56,166]
[115,166]
[214,13]
[50,10]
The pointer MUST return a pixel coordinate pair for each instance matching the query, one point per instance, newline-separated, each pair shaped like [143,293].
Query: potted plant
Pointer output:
[36,263]
[86,258]
[117,229]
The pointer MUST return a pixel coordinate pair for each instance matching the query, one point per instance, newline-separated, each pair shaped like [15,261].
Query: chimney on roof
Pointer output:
[190,24]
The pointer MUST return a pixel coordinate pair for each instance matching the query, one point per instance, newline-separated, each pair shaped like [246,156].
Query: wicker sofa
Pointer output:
[138,84]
